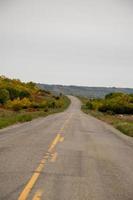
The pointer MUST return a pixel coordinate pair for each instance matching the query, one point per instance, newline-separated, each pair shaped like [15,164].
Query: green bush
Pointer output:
[4,96]
[51,104]
[13,93]
[114,103]
[93,104]
[43,104]
[24,94]
[89,105]
[117,106]
[114,95]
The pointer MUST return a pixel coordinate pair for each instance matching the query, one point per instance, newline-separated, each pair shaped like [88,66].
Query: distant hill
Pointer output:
[92,92]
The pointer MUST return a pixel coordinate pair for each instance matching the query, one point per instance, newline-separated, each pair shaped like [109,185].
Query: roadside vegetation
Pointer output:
[20,102]
[115,109]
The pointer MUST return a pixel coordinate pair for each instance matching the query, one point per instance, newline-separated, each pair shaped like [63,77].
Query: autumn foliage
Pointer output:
[113,103]
[16,95]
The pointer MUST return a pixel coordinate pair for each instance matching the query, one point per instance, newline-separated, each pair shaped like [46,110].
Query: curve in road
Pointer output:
[64,156]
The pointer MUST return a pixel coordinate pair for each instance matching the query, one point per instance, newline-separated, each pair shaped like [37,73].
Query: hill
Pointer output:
[92,92]
[21,101]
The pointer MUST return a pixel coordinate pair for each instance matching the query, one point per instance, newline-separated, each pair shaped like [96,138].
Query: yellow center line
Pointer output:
[66,122]
[24,194]
[54,142]
[61,139]
[32,181]
[54,157]
[38,195]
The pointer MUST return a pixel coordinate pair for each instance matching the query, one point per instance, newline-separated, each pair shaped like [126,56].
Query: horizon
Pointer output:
[85,43]
[69,85]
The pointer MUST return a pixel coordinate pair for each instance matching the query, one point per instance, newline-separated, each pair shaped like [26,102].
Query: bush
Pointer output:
[14,105]
[117,106]
[43,104]
[24,94]
[51,104]
[4,96]
[89,105]
[93,104]
[56,97]
[114,103]
[25,103]
[18,104]
[59,104]
[114,95]
[34,105]
[13,93]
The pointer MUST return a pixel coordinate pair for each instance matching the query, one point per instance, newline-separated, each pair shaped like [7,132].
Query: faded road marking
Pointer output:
[38,195]
[54,157]
[24,194]
[32,181]
[56,140]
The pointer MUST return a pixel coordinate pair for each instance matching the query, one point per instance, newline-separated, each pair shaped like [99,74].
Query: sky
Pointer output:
[69,42]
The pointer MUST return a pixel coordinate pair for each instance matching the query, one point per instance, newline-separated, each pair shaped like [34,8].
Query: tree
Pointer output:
[24,94]
[4,96]
[13,92]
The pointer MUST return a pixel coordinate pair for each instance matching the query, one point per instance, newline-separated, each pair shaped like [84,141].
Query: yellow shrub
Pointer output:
[25,102]
[18,104]
[59,104]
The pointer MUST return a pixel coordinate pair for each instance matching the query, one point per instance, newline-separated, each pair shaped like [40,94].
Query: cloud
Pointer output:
[57,39]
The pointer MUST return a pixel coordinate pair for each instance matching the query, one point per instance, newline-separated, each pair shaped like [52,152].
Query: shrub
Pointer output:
[34,105]
[89,105]
[114,95]
[14,105]
[25,103]
[13,93]
[93,104]
[24,94]
[56,97]
[4,96]
[114,103]
[117,106]
[43,104]
[51,104]
[18,104]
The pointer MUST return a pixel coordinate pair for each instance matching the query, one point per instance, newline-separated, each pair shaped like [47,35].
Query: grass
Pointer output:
[122,123]
[8,117]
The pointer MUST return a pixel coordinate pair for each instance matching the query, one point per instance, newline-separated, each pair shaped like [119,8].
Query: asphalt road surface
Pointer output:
[65,156]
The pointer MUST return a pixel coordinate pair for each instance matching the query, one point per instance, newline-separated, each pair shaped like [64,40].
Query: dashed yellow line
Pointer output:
[54,157]
[61,139]
[38,195]
[56,140]
[32,181]
[25,193]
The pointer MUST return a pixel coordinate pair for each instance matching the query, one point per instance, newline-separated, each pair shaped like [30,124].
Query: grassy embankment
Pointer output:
[9,117]
[21,102]
[122,122]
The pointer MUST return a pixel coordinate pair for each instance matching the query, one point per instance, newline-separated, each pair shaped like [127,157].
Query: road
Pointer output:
[64,156]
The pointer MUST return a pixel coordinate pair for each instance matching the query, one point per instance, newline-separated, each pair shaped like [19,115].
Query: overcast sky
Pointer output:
[71,42]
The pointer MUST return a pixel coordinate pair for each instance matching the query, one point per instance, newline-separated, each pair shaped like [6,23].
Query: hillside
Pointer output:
[94,92]
[21,101]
